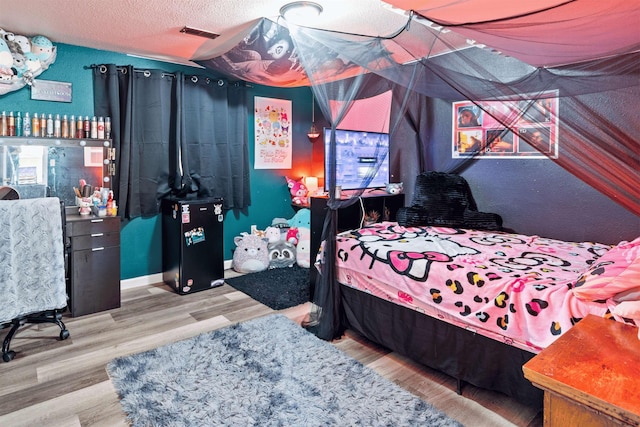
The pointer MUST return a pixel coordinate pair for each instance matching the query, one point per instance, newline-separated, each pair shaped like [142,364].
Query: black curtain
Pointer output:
[174,135]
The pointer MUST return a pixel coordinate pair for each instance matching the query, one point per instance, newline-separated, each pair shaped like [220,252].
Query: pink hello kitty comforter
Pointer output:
[509,287]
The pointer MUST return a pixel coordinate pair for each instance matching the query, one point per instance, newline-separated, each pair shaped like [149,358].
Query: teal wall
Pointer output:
[141,238]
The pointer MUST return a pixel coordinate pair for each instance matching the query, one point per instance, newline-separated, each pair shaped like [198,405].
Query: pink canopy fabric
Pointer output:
[598,142]
[541,33]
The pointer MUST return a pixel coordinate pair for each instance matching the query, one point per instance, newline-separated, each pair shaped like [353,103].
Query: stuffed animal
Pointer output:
[251,254]
[22,59]
[281,254]
[42,48]
[298,191]
[6,63]
[282,225]
[303,248]
[302,218]
[394,188]
[273,234]
[292,236]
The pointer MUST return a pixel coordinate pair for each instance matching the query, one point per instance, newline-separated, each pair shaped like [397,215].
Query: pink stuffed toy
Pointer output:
[298,191]
[292,236]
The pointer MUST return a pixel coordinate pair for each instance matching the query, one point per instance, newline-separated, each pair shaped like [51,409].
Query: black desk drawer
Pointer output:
[95,241]
[93,225]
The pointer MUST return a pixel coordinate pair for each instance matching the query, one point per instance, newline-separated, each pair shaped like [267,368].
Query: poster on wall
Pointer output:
[476,133]
[272,133]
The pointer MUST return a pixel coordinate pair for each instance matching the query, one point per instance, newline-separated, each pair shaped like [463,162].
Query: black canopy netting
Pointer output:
[582,116]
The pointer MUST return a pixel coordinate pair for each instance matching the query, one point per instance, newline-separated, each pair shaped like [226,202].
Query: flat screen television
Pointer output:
[357,154]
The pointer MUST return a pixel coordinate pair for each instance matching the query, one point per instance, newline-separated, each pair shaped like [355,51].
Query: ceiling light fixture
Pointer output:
[300,10]
[313,132]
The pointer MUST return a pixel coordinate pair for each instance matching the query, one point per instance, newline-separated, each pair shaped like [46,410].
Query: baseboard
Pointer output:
[139,281]
[150,279]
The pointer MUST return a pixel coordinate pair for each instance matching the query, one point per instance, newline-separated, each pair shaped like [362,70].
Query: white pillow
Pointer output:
[629,310]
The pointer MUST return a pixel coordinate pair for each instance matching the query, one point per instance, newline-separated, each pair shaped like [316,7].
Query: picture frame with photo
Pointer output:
[480,129]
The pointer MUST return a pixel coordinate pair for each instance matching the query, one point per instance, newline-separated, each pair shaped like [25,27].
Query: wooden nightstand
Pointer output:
[590,375]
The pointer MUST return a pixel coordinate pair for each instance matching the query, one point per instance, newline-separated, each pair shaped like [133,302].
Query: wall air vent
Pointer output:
[200,33]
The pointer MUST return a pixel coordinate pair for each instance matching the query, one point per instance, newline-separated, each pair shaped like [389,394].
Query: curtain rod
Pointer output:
[123,69]
[193,78]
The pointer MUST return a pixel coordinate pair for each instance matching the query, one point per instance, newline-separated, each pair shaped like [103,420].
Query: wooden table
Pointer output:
[590,375]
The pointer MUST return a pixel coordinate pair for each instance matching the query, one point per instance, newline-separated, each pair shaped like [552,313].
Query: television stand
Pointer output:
[378,201]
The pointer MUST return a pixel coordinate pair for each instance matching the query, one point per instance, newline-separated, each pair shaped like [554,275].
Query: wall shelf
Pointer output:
[54,142]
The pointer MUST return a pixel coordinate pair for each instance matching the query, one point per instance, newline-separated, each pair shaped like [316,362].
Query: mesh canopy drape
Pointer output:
[174,135]
[598,126]
[594,96]
[336,98]
[598,144]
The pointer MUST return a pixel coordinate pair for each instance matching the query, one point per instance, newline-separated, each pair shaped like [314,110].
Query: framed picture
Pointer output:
[479,129]
[273,145]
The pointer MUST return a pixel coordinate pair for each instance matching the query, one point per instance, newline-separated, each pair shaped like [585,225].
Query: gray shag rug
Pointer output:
[264,372]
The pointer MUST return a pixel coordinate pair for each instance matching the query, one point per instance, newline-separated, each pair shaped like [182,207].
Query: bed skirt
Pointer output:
[460,353]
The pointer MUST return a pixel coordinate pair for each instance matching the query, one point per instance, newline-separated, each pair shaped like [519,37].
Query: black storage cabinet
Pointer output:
[93,275]
[192,244]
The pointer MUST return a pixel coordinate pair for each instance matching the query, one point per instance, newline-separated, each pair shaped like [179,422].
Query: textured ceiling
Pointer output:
[151,28]
[577,30]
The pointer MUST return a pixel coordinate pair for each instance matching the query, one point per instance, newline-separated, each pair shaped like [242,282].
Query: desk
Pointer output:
[94,263]
[590,375]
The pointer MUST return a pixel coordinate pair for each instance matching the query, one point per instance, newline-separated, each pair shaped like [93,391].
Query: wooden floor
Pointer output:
[64,383]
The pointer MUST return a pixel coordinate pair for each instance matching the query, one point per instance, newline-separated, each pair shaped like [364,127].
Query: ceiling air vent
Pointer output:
[200,33]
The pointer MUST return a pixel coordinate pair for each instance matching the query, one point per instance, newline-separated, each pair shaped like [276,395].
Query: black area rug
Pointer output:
[277,288]
[264,372]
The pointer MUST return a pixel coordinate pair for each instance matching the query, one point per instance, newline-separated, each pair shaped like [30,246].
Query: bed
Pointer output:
[477,304]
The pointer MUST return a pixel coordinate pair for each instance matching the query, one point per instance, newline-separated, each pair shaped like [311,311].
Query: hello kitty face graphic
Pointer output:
[409,253]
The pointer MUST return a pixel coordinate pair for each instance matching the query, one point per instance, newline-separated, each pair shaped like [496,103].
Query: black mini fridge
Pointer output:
[192,244]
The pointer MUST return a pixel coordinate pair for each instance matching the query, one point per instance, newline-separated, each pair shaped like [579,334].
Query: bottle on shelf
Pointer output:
[43,125]
[86,127]
[79,128]
[35,125]
[3,129]
[72,126]
[57,126]
[100,127]
[19,130]
[65,127]
[94,128]
[50,126]
[26,125]
[107,127]
[11,125]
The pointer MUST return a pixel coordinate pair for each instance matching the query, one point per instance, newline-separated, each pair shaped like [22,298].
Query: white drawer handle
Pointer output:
[97,249]
[97,234]
[97,220]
